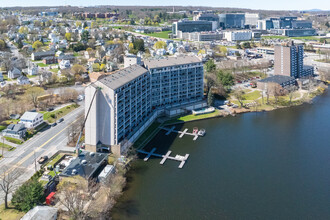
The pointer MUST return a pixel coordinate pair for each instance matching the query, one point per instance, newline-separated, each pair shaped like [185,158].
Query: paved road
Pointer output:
[22,160]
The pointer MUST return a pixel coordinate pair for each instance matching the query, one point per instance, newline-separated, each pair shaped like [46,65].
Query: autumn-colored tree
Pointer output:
[37,44]
[68,36]
[160,45]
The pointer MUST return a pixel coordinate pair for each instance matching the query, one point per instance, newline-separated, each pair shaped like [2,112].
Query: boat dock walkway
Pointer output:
[181,159]
[182,133]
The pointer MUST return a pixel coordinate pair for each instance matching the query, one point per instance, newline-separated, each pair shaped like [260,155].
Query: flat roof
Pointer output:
[280,79]
[123,76]
[171,61]
[85,165]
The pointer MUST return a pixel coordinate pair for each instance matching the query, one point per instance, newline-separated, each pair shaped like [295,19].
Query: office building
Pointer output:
[237,35]
[191,26]
[232,20]
[299,32]
[251,19]
[301,24]
[289,61]
[200,36]
[211,18]
[129,100]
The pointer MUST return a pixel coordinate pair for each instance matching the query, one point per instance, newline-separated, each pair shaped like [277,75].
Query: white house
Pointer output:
[31,119]
[23,80]
[14,73]
[33,70]
[65,64]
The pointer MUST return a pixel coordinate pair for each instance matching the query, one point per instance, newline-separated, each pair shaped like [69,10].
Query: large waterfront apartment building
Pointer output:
[130,99]
[289,61]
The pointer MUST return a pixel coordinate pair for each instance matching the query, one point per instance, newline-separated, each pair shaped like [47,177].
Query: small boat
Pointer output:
[201,132]
[195,130]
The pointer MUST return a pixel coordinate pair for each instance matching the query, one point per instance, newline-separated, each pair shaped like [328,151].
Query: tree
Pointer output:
[78,69]
[225,78]
[239,95]
[160,45]
[85,36]
[210,66]
[30,194]
[7,184]
[210,98]
[68,36]
[291,89]
[201,52]
[23,30]
[32,94]
[2,44]
[74,194]
[37,44]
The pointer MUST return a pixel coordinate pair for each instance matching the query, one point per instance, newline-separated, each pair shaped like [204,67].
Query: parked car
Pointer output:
[60,120]
[54,124]
[42,159]
[50,109]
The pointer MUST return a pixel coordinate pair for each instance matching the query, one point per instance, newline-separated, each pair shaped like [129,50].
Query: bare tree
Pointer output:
[8,183]
[291,89]
[75,194]
[239,95]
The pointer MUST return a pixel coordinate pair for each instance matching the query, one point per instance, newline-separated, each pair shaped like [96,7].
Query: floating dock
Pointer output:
[182,133]
[181,159]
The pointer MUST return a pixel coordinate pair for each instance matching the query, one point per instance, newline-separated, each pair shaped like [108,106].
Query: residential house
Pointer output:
[49,60]
[33,70]
[23,80]
[69,57]
[65,64]
[45,77]
[42,54]
[14,73]
[15,131]
[1,77]
[31,119]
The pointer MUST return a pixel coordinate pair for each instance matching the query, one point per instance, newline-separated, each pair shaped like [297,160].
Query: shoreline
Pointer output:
[244,110]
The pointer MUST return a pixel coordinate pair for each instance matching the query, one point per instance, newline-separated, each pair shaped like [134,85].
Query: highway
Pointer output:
[21,161]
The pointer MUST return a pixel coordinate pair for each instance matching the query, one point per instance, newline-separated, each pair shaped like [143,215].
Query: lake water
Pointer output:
[271,165]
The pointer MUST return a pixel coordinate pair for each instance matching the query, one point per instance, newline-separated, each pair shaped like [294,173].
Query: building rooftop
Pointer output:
[30,115]
[280,79]
[87,165]
[171,61]
[123,76]
[15,127]
[41,212]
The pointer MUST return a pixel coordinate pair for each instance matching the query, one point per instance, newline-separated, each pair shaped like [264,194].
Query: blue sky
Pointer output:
[254,4]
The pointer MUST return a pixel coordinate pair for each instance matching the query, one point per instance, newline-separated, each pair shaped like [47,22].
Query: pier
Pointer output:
[181,159]
[182,133]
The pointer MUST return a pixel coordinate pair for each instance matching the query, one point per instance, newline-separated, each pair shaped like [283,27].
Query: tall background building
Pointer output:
[289,61]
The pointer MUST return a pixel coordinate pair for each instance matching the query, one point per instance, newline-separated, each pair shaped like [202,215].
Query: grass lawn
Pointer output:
[163,34]
[51,117]
[14,140]
[286,37]
[53,161]
[11,121]
[42,64]
[146,134]
[7,147]
[10,214]
[33,76]
[192,117]
[323,61]
[54,70]
[252,95]
[2,127]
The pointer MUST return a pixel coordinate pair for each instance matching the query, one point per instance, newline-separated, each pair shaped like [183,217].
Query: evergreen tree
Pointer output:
[29,195]
[210,98]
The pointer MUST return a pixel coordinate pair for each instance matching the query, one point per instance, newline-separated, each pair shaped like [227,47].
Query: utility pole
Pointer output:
[35,161]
